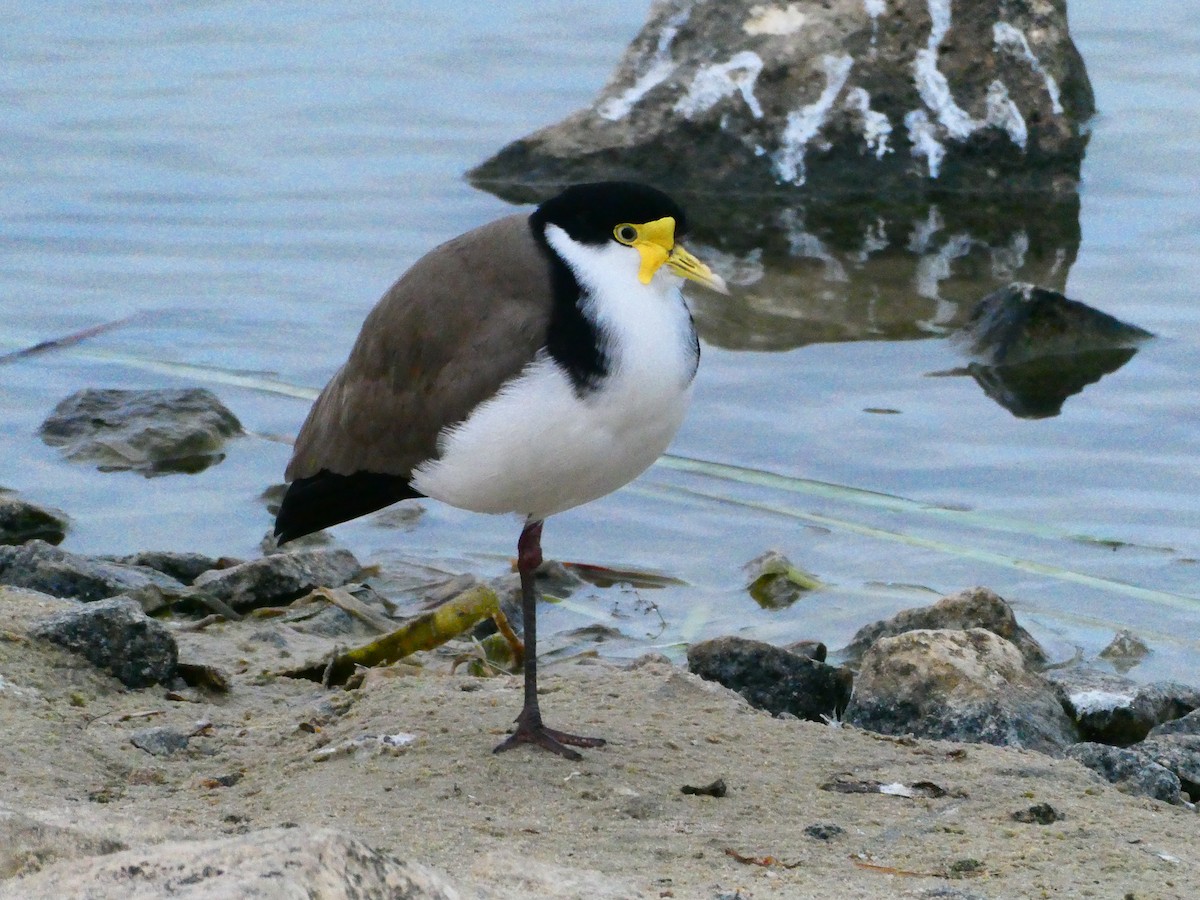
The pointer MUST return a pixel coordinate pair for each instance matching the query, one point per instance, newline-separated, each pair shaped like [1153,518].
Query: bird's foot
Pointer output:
[530,730]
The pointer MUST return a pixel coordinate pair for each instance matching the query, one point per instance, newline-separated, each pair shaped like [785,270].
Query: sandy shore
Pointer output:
[527,824]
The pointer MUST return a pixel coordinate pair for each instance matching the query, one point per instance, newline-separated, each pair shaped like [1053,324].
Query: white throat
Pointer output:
[646,329]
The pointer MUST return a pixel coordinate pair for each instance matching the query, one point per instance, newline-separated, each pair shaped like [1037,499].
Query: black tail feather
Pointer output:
[326,499]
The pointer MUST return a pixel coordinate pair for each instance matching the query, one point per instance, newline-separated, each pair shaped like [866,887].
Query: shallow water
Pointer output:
[245,181]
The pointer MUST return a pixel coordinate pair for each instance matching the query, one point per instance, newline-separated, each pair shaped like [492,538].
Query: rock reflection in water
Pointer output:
[1032,348]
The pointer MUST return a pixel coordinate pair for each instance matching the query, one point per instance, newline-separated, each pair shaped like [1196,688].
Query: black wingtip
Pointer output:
[327,499]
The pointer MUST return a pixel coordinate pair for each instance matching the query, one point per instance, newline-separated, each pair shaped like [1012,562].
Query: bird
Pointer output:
[528,366]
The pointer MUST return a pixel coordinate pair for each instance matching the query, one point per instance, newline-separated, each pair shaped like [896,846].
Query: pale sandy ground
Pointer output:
[527,824]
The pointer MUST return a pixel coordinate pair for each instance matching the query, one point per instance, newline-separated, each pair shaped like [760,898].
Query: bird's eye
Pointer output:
[626,234]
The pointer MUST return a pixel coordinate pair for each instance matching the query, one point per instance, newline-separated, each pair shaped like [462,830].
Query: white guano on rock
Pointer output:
[803,124]
[714,83]
[1007,37]
[932,84]
[875,125]
[660,68]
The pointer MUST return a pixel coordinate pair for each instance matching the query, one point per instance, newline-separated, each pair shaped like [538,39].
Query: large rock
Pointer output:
[1111,709]
[272,864]
[750,97]
[975,607]
[773,679]
[969,686]
[278,578]
[870,247]
[22,521]
[152,432]
[51,570]
[117,636]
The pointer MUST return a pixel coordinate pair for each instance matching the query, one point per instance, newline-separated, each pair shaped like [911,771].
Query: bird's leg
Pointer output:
[530,729]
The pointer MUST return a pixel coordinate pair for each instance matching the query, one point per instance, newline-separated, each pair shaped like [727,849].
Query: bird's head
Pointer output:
[620,214]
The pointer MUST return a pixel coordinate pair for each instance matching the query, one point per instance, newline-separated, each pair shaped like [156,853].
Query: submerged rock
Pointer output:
[1111,709]
[153,432]
[975,607]
[727,98]
[117,636]
[1125,650]
[1023,322]
[969,686]
[774,582]
[22,521]
[773,679]
[52,570]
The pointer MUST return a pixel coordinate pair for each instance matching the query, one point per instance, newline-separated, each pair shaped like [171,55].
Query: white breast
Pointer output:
[536,447]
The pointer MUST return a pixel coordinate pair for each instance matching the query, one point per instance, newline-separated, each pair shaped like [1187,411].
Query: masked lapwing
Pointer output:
[528,366]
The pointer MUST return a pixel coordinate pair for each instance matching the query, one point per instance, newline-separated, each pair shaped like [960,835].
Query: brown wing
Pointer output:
[465,318]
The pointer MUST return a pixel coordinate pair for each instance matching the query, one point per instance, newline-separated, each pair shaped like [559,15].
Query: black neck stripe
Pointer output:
[573,340]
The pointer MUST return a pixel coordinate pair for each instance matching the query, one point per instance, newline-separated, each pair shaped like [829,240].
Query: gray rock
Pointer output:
[1132,771]
[22,521]
[969,686]
[272,863]
[183,567]
[152,432]
[51,570]
[279,578]
[748,97]
[117,636]
[824,831]
[1031,348]
[975,607]
[772,678]
[1189,724]
[1179,754]
[1039,813]
[1112,709]
[159,741]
